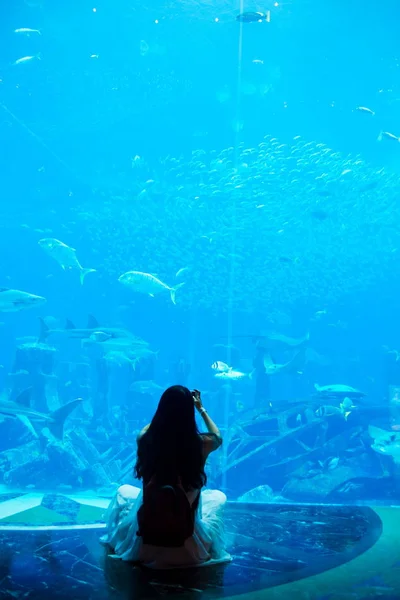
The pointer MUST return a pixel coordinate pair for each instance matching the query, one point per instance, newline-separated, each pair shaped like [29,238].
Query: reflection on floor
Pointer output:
[50,550]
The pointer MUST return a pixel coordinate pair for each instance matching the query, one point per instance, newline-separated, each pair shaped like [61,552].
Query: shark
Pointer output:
[54,420]
[16,300]
[93,331]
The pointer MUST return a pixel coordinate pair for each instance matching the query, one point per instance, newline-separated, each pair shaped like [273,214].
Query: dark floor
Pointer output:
[50,550]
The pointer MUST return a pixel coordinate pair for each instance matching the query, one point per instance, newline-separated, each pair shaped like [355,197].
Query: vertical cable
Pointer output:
[232,273]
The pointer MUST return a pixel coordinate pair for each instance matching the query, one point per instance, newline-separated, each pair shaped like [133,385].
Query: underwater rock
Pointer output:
[262,493]
[121,467]
[72,463]
[66,465]
[33,471]
[321,484]
[367,489]
[114,470]
[77,465]
[98,476]
[81,442]
[118,462]
[15,457]
[35,359]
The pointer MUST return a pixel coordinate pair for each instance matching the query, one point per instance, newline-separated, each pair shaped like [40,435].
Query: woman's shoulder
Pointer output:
[211,441]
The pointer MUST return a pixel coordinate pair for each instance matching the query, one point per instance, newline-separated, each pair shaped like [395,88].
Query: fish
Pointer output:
[338,391]
[132,346]
[232,375]
[146,283]
[92,328]
[127,353]
[344,409]
[100,336]
[28,31]
[288,341]
[26,59]
[385,442]
[54,420]
[225,347]
[146,387]
[16,300]
[65,256]
[275,339]
[120,358]
[347,404]
[388,136]
[366,110]
[182,271]
[253,17]
[328,411]
[220,366]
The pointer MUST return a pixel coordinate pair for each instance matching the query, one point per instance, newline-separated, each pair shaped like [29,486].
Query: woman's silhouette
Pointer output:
[171,457]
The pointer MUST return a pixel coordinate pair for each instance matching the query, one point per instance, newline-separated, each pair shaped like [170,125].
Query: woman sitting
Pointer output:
[171,523]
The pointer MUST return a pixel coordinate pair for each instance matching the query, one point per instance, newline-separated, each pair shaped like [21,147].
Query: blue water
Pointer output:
[278,233]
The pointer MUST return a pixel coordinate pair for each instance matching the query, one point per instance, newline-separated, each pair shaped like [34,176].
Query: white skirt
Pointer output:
[205,547]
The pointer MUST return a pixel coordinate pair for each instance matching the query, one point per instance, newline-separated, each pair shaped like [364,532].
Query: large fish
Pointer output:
[65,256]
[123,350]
[385,442]
[146,387]
[15,300]
[147,284]
[233,375]
[54,420]
[93,331]
[274,340]
[338,391]
[131,347]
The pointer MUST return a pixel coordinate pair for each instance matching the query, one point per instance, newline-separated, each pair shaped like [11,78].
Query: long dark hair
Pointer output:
[172,447]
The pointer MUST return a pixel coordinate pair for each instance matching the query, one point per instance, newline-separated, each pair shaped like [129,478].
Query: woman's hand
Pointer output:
[197,399]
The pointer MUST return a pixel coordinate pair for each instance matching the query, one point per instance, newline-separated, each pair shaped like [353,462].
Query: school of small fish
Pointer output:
[252,228]
[228,212]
